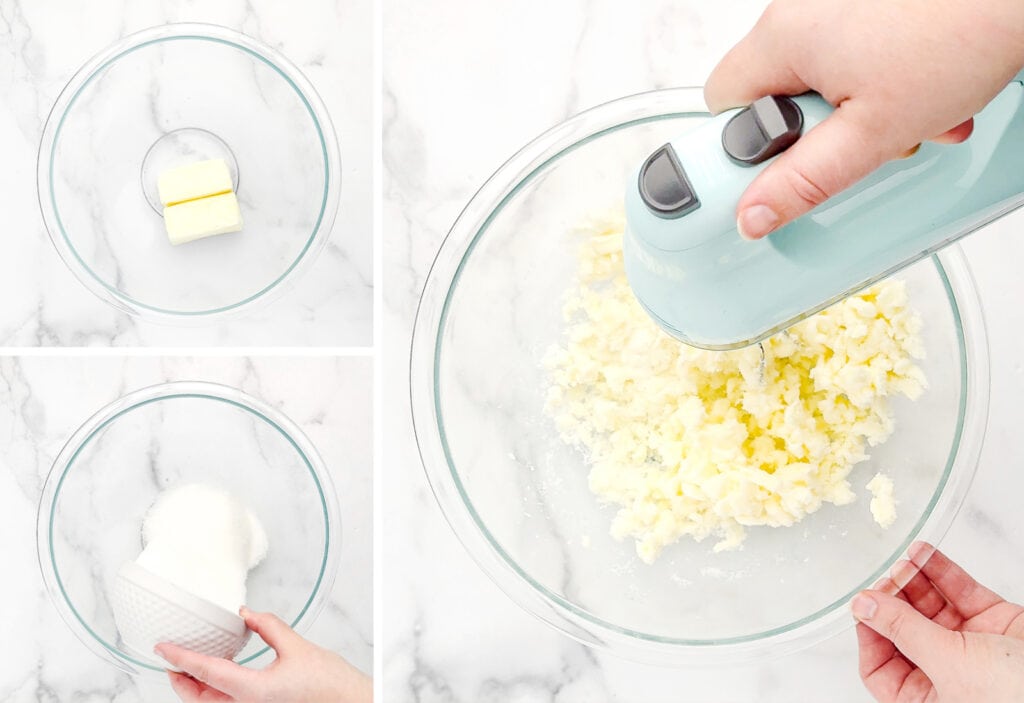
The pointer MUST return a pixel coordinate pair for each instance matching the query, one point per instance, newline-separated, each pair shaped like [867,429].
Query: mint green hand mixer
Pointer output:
[705,285]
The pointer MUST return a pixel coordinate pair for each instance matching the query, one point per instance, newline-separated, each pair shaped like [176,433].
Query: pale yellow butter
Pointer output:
[192,181]
[693,443]
[196,219]
[883,500]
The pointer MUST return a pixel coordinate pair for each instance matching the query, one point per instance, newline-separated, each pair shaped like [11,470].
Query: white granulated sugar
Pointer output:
[203,540]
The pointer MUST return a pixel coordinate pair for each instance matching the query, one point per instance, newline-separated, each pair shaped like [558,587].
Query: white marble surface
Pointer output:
[466,84]
[43,43]
[44,399]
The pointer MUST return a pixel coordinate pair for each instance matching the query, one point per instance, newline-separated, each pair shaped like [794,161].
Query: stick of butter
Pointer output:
[196,180]
[205,217]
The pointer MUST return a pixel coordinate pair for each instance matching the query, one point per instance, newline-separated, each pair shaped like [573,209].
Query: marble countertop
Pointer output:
[511,70]
[42,44]
[44,399]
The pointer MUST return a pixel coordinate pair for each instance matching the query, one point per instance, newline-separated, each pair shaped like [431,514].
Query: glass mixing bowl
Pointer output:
[168,96]
[115,465]
[517,496]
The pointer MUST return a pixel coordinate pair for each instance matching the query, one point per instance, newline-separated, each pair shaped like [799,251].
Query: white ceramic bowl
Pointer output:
[115,466]
[149,610]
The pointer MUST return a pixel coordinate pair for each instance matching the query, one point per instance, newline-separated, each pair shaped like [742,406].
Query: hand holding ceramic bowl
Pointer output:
[113,468]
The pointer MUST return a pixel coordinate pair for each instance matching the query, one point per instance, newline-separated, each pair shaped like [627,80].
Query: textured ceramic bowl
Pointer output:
[168,96]
[114,467]
[149,609]
[517,496]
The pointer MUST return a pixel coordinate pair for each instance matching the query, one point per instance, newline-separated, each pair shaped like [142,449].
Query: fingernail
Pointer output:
[756,221]
[920,553]
[159,651]
[901,568]
[864,606]
[244,612]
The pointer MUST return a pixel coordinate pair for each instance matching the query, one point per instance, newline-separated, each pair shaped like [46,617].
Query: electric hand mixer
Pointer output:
[705,285]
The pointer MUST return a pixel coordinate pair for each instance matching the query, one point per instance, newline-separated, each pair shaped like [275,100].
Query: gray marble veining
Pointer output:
[43,43]
[43,400]
[454,110]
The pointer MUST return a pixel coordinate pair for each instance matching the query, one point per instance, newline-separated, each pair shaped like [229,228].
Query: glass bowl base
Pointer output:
[177,148]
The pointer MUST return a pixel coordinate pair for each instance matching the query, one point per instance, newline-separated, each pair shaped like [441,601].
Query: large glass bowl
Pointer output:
[517,496]
[116,464]
[168,96]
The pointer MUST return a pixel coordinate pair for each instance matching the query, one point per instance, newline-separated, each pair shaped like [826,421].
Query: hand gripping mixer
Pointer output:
[705,285]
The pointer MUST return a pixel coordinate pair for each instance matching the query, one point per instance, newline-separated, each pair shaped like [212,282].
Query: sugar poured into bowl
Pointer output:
[203,540]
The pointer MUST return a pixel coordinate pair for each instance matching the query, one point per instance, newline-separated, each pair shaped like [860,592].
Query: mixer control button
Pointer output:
[766,128]
[664,187]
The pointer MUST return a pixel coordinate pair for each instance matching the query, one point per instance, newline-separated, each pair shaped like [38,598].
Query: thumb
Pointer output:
[271,629]
[828,159]
[927,644]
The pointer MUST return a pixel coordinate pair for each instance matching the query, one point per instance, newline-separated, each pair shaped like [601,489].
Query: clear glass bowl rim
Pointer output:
[193,31]
[470,528]
[166,391]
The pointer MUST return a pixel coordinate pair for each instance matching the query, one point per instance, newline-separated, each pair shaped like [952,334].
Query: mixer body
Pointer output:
[705,285]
